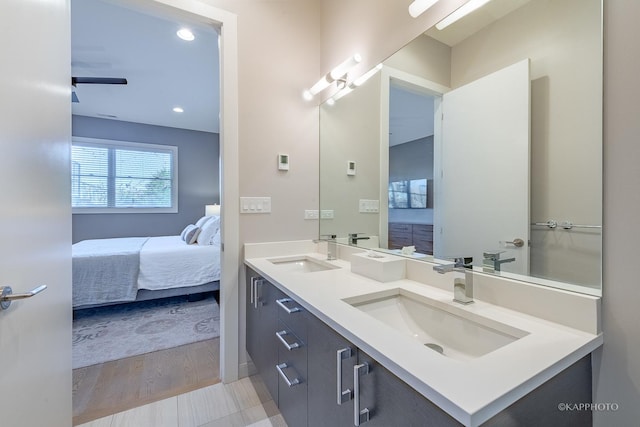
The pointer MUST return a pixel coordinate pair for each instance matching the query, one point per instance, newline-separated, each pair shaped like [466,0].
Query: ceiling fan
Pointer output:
[95,80]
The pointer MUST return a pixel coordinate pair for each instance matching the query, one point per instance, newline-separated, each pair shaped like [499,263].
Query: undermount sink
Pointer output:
[302,264]
[449,330]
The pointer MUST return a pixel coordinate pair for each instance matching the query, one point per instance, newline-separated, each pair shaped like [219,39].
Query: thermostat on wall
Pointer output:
[351,167]
[283,162]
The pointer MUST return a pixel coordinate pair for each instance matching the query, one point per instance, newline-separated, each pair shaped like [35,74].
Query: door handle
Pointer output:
[518,243]
[7,295]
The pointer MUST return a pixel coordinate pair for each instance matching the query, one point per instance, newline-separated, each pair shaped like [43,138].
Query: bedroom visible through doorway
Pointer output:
[182,110]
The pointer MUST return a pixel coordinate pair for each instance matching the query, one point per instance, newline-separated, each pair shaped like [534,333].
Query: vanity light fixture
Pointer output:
[418,7]
[338,73]
[185,34]
[461,13]
[357,82]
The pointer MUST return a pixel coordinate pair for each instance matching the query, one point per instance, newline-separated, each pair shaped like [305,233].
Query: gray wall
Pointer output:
[198,179]
[617,364]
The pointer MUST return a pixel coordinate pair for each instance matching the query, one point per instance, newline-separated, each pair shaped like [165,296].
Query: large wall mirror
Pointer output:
[483,139]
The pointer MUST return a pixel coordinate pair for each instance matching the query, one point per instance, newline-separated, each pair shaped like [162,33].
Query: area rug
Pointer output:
[109,333]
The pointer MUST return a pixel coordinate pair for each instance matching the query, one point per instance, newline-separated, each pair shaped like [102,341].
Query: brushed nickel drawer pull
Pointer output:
[284,342]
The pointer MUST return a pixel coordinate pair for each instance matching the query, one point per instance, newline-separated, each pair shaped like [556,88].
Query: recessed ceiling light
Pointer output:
[185,34]
[178,110]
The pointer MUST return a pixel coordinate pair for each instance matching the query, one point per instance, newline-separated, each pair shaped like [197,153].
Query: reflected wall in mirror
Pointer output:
[481,198]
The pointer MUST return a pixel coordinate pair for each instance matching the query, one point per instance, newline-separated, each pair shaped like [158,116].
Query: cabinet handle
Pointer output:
[342,396]
[359,416]
[284,342]
[253,283]
[281,302]
[256,283]
[289,382]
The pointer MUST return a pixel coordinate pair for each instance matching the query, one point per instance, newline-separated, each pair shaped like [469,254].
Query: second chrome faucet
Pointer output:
[462,288]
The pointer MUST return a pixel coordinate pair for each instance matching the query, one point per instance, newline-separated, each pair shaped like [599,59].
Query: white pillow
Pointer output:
[202,221]
[191,234]
[209,229]
[216,238]
[185,230]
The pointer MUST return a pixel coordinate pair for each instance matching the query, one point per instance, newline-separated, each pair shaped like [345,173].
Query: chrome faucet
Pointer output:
[353,238]
[492,261]
[462,288]
[332,247]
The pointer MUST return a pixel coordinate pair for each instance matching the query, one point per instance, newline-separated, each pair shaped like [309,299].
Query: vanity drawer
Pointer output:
[292,315]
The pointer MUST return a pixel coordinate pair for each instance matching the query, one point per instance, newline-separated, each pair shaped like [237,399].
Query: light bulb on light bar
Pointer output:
[461,13]
[356,83]
[418,7]
[366,76]
[339,71]
[347,90]
[344,68]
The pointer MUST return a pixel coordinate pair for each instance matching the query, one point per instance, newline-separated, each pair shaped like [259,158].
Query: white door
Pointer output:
[483,186]
[35,213]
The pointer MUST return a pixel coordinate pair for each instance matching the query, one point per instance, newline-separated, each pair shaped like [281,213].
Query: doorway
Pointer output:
[225,24]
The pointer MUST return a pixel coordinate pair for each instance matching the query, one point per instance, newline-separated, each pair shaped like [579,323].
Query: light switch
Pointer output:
[311,214]
[326,214]
[369,206]
[255,204]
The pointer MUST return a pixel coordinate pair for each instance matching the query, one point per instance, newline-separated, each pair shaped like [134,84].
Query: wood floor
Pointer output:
[116,386]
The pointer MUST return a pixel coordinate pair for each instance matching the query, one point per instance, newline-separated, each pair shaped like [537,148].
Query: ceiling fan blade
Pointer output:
[98,80]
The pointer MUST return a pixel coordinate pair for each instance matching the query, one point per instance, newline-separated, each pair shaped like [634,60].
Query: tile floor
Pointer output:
[240,404]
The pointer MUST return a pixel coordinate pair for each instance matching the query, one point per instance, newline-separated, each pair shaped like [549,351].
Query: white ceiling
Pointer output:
[163,71]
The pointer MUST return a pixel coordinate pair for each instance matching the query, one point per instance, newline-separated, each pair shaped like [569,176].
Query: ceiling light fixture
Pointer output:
[337,73]
[461,13]
[418,7]
[185,34]
[178,110]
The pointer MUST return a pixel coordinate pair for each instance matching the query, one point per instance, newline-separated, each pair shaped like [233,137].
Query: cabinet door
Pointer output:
[324,364]
[292,372]
[392,402]
[261,329]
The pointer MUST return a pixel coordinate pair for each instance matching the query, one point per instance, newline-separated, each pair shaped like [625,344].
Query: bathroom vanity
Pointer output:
[331,349]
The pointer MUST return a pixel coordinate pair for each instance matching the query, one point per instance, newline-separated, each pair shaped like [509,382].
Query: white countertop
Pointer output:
[471,391]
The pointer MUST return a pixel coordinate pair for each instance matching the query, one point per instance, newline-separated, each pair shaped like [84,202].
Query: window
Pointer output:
[117,176]
[410,194]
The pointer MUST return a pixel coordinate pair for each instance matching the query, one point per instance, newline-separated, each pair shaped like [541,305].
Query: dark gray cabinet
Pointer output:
[386,399]
[319,378]
[262,325]
[292,361]
[329,354]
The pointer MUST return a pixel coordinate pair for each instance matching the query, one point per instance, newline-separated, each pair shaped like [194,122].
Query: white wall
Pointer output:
[278,44]
[350,131]
[617,365]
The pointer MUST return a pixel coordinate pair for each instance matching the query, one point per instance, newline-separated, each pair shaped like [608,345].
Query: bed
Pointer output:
[126,269]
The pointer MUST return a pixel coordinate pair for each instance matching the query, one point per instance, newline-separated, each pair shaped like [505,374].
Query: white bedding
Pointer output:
[168,262]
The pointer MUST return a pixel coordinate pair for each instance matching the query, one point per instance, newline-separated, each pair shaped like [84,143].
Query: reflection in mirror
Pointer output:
[436,113]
